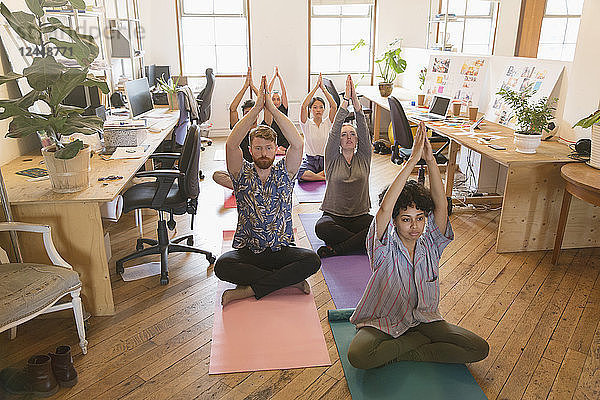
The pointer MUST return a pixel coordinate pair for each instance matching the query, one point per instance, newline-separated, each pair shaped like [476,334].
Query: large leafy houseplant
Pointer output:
[390,63]
[50,80]
[532,117]
[588,121]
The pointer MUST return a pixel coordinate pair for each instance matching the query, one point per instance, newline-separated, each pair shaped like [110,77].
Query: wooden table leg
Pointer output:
[376,121]
[451,168]
[562,222]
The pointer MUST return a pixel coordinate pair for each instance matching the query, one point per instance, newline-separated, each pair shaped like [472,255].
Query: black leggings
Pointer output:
[344,234]
[267,271]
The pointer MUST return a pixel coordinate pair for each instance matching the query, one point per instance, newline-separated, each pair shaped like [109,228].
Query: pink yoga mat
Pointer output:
[279,331]
[229,199]
[346,276]
[310,192]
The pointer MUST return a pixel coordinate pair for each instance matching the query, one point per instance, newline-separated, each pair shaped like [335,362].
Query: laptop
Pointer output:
[437,111]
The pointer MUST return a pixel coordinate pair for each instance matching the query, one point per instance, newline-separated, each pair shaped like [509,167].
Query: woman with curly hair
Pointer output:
[398,317]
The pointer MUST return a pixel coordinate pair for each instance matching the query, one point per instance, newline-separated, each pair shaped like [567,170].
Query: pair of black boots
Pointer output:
[42,375]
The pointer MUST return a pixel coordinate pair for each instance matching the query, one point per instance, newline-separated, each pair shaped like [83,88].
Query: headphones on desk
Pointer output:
[583,147]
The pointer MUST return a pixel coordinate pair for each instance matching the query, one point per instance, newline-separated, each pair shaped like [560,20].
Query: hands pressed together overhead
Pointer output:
[421,146]
[350,94]
[264,100]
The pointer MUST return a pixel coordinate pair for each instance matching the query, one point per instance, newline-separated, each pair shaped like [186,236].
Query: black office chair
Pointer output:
[403,139]
[204,98]
[175,191]
[328,83]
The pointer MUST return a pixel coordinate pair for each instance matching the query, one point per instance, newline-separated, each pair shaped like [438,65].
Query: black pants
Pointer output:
[267,271]
[344,234]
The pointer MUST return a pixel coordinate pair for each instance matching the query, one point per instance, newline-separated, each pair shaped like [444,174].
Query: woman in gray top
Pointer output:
[346,219]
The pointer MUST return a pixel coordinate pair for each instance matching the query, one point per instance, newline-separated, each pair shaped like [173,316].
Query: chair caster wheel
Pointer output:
[190,241]
[139,246]
[164,280]
[211,259]
[171,224]
[120,269]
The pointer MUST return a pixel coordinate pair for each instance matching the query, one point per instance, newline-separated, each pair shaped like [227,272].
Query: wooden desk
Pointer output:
[533,187]
[75,217]
[583,182]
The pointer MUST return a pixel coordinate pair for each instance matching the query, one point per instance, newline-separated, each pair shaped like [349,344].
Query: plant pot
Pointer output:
[527,143]
[172,101]
[386,89]
[595,154]
[68,176]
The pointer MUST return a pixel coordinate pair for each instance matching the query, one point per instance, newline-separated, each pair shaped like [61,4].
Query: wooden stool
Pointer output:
[582,182]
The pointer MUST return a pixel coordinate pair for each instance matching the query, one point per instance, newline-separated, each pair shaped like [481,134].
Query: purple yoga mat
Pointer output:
[310,192]
[346,276]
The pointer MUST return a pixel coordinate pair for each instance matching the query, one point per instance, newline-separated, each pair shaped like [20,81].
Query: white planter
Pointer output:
[527,143]
[595,155]
[68,176]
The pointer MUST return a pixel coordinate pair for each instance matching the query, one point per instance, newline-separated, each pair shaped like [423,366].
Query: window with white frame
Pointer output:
[335,29]
[471,25]
[214,33]
[560,27]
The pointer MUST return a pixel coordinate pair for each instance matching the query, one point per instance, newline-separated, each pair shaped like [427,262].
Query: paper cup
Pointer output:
[473,113]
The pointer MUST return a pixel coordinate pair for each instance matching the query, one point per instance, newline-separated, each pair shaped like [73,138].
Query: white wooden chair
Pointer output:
[28,290]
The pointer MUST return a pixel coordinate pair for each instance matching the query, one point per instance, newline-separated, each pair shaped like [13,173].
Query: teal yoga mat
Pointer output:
[401,380]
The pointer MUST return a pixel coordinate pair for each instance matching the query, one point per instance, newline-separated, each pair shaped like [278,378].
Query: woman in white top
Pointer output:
[315,129]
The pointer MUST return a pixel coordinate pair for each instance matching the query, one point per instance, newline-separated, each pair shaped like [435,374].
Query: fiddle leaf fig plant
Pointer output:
[532,117]
[588,121]
[51,81]
[390,63]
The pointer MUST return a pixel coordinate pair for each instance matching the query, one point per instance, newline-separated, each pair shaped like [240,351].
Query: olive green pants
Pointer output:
[436,341]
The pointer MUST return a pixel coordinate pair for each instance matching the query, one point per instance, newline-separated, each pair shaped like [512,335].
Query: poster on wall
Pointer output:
[518,76]
[458,77]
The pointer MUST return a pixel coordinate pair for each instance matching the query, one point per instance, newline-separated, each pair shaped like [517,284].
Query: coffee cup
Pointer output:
[421,100]
[473,113]
[456,108]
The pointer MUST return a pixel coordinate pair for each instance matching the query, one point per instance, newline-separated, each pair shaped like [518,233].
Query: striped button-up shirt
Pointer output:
[401,295]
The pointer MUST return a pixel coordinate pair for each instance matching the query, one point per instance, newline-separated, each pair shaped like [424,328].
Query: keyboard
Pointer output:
[158,125]
[429,117]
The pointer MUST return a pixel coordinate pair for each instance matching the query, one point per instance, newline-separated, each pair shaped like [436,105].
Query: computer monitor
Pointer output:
[163,72]
[151,74]
[439,105]
[138,96]
[84,97]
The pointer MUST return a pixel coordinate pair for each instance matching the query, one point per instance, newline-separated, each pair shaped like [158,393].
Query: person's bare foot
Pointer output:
[240,292]
[304,286]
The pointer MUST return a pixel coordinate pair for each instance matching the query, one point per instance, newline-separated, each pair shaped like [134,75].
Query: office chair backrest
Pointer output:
[189,163]
[328,83]
[400,126]
[205,97]
[184,119]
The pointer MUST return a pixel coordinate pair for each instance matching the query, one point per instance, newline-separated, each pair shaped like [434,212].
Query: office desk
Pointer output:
[533,190]
[75,217]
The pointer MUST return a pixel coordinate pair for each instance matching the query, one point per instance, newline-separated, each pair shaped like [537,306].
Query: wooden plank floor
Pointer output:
[541,321]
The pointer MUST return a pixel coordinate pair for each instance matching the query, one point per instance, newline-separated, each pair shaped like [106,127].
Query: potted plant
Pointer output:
[593,121]
[170,88]
[390,64]
[422,76]
[532,117]
[40,110]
